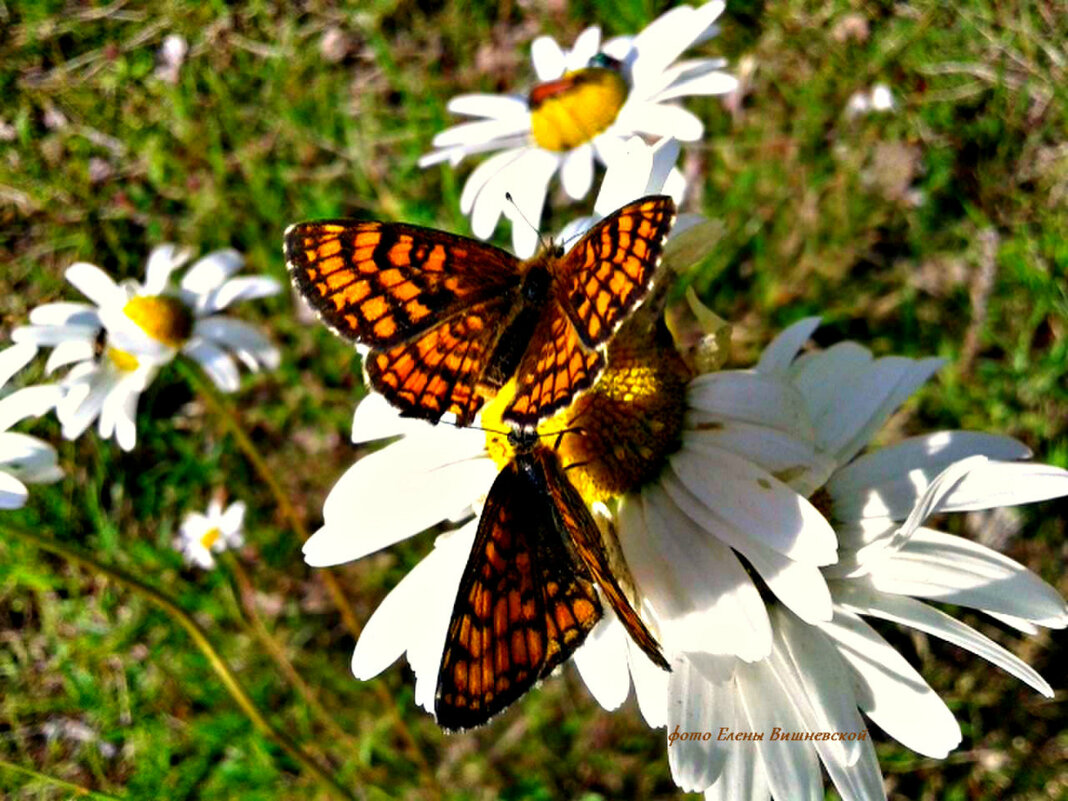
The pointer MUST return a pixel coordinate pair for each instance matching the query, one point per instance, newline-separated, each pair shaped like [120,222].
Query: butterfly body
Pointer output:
[449,320]
[526,600]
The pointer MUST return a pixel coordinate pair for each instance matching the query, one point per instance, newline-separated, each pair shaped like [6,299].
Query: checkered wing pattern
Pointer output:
[523,606]
[585,538]
[428,304]
[611,268]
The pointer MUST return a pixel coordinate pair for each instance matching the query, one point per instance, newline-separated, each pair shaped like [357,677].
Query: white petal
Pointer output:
[483,132]
[660,119]
[664,177]
[891,692]
[695,586]
[576,172]
[695,705]
[30,401]
[666,37]
[755,503]
[53,335]
[233,518]
[495,107]
[65,353]
[477,181]
[14,358]
[64,313]
[94,283]
[13,492]
[252,347]
[602,662]
[162,261]
[713,83]
[650,686]
[245,287]
[792,460]
[369,508]
[750,397]
[863,600]
[548,59]
[585,47]
[528,182]
[850,396]
[210,272]
[958,571]
[784,348]
[28,458]
[79,409]
[375,419]
[991,484]
[742,776]
[889,481]
[217,364]
[790,766]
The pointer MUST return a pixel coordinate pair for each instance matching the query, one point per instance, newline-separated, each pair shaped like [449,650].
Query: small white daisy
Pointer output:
[879,99]
[24,459]
[116,345]
[591,99]
[202,535]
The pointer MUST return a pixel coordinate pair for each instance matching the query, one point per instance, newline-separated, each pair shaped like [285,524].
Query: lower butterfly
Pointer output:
[527,598]
[450,320]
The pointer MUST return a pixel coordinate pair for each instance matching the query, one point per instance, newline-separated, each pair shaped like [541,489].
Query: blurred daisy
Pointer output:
[115,345]
[24,459]
[589,101]
[802,420]
[202,535]
[878,99]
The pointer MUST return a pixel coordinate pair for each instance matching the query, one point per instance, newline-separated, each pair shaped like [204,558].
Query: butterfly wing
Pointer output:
[575,518]
[596,286]
[603,277]
[429,304]
[523,606]
[554,370]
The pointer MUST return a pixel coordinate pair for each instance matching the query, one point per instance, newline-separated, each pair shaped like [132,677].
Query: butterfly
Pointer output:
[526,599]
[450,320]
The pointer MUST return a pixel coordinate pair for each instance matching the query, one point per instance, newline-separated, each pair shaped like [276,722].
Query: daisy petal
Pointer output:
[210,272]
[94,283]
[216,363]
[661,119]
[748,397]
[247,287]
[585,47]
[958,571]
[13,359]
[697,706]
[891,692]
[784,348]
[602,662]
[548,59]
[576,172]
[13,493]
[915,614]
[494,107]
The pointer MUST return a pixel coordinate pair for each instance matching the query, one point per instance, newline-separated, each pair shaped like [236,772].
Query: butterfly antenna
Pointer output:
[545,243]
[455,424]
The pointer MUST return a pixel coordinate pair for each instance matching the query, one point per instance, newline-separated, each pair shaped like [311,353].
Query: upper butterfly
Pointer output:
[451,320]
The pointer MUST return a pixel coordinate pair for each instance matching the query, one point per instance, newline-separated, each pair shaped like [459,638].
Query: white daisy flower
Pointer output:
[802,421]
[116,345]
[202,535]
[24,459]
[589,101]
[878,99]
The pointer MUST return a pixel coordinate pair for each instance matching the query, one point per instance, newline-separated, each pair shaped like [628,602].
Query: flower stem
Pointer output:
[221,407]
[200,638]
[245,594]
[76,789]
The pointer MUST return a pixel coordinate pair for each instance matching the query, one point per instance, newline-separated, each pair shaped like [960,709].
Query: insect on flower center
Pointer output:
[575,108]
[163,318]
[126,362]
[210,537]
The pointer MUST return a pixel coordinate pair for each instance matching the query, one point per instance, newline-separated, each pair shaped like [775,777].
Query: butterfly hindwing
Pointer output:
[523,606]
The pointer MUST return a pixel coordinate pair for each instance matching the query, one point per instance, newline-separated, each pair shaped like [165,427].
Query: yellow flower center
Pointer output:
[211,536]
[124,361]
[572,110]
[163,318]
[618,434]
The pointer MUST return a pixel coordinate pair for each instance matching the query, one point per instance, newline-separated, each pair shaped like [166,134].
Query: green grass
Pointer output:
[820,216]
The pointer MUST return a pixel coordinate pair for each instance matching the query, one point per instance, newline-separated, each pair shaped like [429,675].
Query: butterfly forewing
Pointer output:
[523,606]
[610,270]
[585,539]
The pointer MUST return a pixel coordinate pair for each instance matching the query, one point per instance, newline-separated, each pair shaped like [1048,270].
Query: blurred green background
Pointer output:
[940,229]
